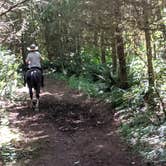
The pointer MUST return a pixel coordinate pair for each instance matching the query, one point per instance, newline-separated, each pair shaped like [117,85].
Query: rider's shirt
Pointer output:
[34,59]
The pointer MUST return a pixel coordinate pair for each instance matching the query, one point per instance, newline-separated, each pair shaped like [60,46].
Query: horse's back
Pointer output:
[33,77]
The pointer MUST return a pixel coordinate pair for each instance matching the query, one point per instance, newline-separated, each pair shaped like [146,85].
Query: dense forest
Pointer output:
[113,50]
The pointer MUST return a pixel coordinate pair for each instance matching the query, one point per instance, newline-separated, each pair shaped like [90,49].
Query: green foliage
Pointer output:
[87,66]
[126,131]
[137,70]
[83,85]
[160,75]
[66,65]
[8,73]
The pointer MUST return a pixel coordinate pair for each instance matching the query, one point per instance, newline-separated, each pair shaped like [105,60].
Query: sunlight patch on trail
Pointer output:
[9,138]
[6,133]
[23,90]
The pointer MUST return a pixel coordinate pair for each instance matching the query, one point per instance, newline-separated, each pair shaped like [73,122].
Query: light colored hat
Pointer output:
[32,47]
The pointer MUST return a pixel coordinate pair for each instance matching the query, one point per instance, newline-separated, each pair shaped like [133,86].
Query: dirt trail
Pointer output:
[69,130]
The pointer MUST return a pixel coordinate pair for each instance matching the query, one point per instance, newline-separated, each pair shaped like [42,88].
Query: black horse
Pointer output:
[33,79]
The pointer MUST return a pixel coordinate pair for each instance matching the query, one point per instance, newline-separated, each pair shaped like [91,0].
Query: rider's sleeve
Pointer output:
[27,59]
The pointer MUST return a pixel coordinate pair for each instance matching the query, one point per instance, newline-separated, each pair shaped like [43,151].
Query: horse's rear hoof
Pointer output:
[36,109]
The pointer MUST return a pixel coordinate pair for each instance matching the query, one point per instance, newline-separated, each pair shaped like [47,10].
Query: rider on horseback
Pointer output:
[33,60]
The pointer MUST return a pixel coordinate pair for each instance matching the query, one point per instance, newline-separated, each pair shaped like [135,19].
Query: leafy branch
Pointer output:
[12,7]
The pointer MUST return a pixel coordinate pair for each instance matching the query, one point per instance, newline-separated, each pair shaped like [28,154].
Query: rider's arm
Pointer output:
[41,58]
[28,60]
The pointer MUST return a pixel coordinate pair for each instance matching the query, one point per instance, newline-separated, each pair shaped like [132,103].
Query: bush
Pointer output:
[8,73]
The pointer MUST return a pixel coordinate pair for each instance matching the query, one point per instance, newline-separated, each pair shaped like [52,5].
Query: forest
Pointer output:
[111,50]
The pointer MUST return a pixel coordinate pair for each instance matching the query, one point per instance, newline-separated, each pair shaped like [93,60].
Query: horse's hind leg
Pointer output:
[31,96]
[37,104]
[30,89]
[37,97]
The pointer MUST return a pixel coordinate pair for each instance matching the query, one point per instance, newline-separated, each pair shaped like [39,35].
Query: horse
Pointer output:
[33,79]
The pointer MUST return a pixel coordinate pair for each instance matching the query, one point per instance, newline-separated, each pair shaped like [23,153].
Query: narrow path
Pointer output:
[69,130]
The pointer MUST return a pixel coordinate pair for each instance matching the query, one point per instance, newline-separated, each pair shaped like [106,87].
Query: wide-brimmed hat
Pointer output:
[32,47]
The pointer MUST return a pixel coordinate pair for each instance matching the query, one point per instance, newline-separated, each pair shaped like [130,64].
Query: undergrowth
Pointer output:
[9,77]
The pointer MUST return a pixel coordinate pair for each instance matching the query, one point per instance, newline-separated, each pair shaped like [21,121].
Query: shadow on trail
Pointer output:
[72,116]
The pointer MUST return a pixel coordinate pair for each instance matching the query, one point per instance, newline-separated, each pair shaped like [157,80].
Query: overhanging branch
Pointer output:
[12,7]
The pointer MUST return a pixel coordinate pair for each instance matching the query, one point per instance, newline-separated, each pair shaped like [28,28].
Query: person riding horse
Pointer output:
[33,61]
[34,75]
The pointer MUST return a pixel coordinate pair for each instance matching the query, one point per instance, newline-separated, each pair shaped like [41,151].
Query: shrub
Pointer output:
[8,73]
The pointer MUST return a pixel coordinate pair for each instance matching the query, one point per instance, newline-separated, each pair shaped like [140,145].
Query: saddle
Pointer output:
[34,68]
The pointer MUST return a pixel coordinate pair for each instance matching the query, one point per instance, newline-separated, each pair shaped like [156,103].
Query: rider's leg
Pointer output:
[25,75]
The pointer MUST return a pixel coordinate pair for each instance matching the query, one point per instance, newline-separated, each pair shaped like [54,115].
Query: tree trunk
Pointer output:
[149,57]
[114,54]
[148,48]
[95,38]
[23,49]
[78,45]
[122,60]
[123,81]
[78,50]
[154,51]
[150,99]
[103,56]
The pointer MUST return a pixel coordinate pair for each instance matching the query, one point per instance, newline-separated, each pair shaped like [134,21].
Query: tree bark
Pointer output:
[103,53]
[150,94]
[122,60]
[95,38]
[148,46]
[114,53]
[23,49]
[149,57]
